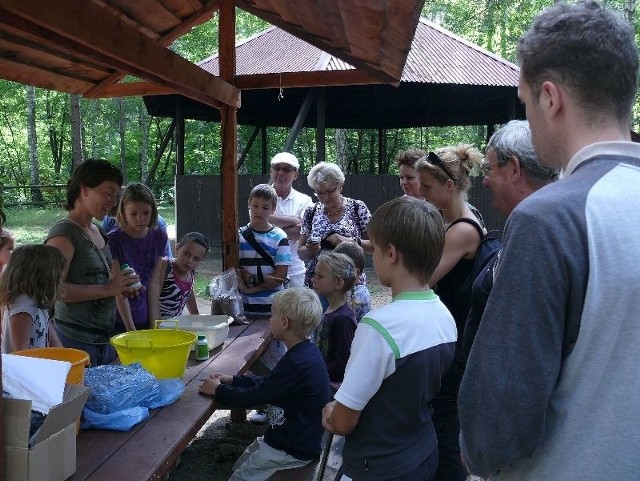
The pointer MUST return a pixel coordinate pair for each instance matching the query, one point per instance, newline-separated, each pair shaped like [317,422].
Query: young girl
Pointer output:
[174,278]
[28,289]
[138,242]
[7,243]
[334,277]
[359,297]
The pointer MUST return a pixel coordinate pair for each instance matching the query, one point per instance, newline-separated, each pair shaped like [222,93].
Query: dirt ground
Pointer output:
[214,450]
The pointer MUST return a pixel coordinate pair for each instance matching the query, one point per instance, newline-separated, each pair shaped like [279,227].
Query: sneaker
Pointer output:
[258,416]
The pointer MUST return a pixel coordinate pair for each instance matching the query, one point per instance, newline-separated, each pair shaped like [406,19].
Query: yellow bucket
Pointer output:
[162,352]
[78,359]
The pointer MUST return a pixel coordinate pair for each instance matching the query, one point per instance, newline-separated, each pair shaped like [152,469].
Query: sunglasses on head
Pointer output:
[433,159]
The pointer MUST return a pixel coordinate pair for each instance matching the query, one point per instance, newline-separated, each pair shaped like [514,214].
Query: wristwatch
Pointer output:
[253,281]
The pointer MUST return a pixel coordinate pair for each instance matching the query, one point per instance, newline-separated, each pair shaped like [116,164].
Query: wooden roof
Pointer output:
[87,46]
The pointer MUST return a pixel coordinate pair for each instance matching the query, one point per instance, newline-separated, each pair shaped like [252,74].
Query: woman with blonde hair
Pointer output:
[445,182]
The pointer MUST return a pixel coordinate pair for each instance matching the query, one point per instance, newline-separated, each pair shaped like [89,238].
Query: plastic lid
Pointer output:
[201,337]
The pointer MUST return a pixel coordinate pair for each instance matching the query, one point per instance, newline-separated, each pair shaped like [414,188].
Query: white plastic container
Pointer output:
[214,327]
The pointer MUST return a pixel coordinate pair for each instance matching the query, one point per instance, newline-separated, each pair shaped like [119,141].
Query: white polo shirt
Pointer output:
[294,205]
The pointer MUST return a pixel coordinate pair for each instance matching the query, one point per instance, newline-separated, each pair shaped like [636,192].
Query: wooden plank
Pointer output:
[131,89]
[325,78]
[398,32]
[110,38]
[32,52]
[327,46]
[151,448]
[149,13]
[28,75]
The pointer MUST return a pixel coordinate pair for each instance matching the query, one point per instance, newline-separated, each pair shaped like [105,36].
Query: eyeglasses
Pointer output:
[437,161]
[487,168]
[326,192]
[282,167]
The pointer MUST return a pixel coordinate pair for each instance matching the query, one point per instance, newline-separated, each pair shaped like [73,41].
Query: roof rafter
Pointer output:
[112,41]
[205,13]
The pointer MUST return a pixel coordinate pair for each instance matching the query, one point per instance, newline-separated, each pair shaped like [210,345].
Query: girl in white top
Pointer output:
[28,289]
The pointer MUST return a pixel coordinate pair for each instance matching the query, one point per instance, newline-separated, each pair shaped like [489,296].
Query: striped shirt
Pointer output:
[275,243]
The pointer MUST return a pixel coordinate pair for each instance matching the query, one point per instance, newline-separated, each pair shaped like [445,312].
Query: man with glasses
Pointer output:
[551,386]
[290,208]
[512,172]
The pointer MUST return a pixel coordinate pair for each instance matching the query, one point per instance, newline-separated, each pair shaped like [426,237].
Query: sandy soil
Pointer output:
[220,442]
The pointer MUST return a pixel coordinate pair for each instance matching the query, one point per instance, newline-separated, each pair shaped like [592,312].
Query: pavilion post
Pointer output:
[228,114]
[180,136]
[320,126]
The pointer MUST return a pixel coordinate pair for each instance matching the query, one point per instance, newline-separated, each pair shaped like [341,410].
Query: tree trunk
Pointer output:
[76,130]
[34,167]
[143,122]
[342,149]
[121,133]
[93,128]
[56,138]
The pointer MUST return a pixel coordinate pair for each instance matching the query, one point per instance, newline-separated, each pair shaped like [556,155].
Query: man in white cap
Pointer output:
[290,208]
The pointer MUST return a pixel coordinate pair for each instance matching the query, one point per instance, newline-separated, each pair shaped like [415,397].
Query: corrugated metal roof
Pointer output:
[436,56]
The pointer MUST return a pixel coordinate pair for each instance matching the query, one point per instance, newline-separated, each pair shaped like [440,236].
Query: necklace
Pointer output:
[337,211]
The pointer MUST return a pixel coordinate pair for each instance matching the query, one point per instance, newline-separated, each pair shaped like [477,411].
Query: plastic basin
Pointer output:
[162,352]
[78,359]
[214,327]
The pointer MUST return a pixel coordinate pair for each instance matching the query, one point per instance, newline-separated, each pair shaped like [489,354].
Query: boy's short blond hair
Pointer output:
[416,229]
[301,306]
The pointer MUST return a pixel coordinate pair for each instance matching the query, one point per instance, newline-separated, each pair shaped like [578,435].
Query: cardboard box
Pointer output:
[52,456]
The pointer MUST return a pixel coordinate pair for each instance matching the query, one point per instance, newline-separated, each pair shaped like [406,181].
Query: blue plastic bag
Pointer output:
[115,387]
[118,421]
[170,392]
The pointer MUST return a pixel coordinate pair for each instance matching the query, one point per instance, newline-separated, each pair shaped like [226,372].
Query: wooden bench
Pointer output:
[150,449]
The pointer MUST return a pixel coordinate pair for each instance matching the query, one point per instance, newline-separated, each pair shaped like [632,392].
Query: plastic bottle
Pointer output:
[128,271]
[202,348]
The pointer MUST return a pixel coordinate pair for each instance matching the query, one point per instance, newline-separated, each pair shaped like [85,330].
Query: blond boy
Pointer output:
[295,392]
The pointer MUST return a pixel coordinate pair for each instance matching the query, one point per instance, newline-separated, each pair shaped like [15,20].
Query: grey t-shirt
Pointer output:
[86,321]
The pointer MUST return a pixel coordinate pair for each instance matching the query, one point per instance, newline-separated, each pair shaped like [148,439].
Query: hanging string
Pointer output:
[280,93]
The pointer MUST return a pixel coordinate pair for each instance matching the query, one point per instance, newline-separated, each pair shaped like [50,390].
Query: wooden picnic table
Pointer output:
[151,448]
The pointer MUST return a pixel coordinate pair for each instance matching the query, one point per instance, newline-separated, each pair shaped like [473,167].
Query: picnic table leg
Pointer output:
[238,415]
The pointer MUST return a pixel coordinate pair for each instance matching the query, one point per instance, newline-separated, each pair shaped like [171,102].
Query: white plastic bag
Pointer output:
[226,298]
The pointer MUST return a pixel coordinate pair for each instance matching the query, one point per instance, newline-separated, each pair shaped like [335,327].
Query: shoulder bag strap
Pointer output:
[247,233]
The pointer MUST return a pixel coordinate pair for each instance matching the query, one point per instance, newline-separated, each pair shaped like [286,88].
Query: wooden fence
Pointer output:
[198,203]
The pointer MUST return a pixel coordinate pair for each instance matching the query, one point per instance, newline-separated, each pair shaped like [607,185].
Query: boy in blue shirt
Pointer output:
[295,392]
[399,354]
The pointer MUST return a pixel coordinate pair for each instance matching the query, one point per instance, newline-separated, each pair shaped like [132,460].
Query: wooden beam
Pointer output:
[247,147]
[111,39]
[134,89]
[300,118]
[205,13]
[321,148]
[30,75]
[327,46]
[229,128]
[326,78]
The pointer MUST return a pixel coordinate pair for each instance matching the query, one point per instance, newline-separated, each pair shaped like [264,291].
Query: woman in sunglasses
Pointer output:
[332,220]
[445,182]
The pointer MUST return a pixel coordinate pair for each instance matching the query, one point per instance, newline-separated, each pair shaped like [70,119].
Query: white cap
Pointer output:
[285,158]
